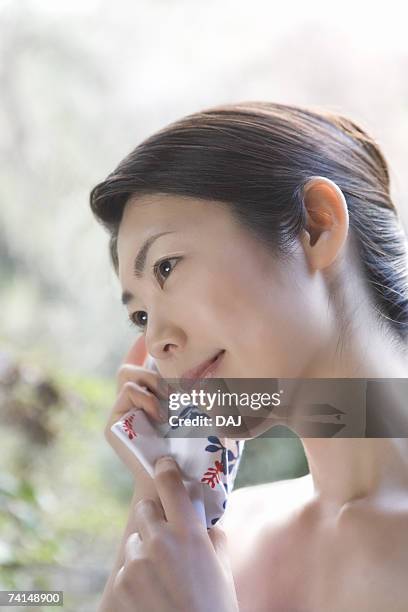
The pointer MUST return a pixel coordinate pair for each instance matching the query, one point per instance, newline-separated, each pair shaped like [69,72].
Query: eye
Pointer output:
[164,268]
[161,269]
[136,319]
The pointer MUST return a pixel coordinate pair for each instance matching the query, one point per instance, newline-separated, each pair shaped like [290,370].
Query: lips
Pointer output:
[200,370]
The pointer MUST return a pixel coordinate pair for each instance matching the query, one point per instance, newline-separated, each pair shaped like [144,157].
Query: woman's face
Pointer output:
[218,288]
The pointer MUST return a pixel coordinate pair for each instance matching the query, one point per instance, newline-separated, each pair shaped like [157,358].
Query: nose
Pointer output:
[163,340]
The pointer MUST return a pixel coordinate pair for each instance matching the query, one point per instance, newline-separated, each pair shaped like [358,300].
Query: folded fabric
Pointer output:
[208,465]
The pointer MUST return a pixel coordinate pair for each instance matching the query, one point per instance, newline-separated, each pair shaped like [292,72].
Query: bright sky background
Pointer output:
[367,22]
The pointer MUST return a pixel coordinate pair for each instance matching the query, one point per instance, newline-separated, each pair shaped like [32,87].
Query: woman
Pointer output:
[269,234]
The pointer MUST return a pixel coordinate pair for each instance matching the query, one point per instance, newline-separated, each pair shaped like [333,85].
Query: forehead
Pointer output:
[146,215]
[146,210]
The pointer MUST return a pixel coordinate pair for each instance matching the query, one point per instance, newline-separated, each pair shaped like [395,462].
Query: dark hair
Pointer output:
[257,157]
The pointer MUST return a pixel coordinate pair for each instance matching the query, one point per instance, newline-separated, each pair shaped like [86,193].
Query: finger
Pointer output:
[145,399]
[149,518]
[139,586]
[132,397]
[138,352]
[143,377]
[173,494]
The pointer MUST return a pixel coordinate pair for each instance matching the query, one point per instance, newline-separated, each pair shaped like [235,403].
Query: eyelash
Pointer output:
[155,269]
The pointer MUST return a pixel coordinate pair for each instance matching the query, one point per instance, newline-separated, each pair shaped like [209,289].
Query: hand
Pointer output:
[138,389]
[172,564]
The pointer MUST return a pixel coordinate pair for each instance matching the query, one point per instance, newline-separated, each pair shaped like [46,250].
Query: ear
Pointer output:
[327,222]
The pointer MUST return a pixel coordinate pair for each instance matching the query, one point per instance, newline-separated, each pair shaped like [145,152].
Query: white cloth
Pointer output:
[208,465]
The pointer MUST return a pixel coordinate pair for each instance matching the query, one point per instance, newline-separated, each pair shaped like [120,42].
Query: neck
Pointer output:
[346,469]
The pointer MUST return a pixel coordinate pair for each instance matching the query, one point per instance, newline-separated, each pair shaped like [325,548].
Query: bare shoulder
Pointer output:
[286,555]
[256,510]
[260,525]
[271,501]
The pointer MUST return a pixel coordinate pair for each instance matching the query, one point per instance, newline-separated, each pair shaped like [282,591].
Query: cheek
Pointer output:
[215,303]
[263,322]
[256,314]
[231,299]
[280,338]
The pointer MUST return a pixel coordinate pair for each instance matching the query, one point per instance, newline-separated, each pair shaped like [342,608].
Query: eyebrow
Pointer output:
[140,262]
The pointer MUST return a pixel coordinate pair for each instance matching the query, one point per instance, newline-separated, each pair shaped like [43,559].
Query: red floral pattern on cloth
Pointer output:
[211,476]
[128,427]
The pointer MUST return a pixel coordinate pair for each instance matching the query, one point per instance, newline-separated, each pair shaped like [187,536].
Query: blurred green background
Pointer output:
[80,85]
[64,495]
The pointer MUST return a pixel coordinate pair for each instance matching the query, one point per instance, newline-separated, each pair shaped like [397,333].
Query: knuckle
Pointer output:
[144,505]
[130,385]
[133,568]
[127,369]
[138,374]
[126,372]
[157,545]
[121,370]
[162,547]
[126,581]
[122,375]
[146,397]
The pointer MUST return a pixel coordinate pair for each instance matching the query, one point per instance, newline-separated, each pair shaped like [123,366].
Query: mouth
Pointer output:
[204,369]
